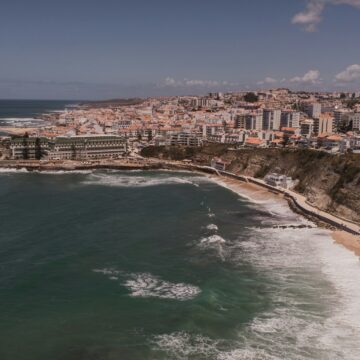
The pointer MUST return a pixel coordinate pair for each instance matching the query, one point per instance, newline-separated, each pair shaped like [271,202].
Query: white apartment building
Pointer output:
[355,118]
[341,118]
[290,119]
[324,125]
[312,110]
[307,128]
[253,122]
[271,119]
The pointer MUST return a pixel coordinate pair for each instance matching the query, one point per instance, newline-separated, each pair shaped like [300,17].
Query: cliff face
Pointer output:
[330,182]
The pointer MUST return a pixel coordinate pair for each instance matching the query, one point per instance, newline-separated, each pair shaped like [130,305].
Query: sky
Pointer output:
[92,49]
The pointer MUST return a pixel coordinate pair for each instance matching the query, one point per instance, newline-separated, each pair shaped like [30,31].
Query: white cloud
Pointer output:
[171,82]
[312,15]
[268,80]
[351,73]
[188,82]
[312,77]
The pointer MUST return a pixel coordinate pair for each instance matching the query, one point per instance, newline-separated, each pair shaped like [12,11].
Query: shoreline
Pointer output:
[261,195]
[253,189]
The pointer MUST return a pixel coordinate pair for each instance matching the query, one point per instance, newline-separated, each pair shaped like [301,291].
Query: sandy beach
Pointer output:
[257,193]
[249,190]
[351,242]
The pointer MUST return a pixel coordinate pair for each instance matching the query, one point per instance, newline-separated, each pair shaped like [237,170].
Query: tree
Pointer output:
[351,103]
[73,152]
[295,106]
[251,97]
[25,146]
[150,136]
[38,151]
[286,140]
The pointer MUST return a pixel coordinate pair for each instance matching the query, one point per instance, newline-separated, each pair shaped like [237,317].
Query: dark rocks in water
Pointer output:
[302,226]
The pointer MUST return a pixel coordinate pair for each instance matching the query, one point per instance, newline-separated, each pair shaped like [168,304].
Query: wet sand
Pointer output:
[249,190]
[351,242]
[257,193]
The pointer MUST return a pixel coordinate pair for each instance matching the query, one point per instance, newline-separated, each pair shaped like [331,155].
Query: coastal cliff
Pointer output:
[329,182]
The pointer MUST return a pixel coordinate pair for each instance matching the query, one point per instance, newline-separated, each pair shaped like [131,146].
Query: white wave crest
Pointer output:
[146,285]
[181,345]
[20,120]
[13,171]
[106,271]
[122,180]
[317,295]
[64,172]
[213,239]
[44,172]
[212,227]
[215,243]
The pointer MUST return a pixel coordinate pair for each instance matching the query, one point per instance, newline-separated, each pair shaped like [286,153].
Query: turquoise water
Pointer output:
[158,265]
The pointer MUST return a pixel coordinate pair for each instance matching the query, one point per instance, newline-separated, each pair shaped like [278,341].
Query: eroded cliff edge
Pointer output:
[330,182]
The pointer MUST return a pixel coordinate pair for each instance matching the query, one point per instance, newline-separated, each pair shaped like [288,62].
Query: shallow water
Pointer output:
[161,265]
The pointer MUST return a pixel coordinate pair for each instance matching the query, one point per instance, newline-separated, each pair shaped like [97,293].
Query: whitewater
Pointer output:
[175,264]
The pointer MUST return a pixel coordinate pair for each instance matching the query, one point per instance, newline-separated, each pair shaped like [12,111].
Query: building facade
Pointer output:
[69,148]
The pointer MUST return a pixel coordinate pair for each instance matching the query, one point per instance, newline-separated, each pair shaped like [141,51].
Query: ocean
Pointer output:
[166,265]
[27,112]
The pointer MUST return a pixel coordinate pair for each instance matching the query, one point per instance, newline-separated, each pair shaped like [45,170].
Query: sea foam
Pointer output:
[146,285]
[120,179]
[315,295]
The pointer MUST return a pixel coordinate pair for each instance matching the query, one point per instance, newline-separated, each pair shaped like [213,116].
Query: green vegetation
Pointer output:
[169,152]
[38,151]
[251,97]
[351,103]
[263,171]
[26,146]
[114,102]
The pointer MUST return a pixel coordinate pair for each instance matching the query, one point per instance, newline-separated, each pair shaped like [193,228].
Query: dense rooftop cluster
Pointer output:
[271,118]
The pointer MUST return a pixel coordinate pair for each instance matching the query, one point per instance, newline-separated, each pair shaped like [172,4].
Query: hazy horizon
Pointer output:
[88,50]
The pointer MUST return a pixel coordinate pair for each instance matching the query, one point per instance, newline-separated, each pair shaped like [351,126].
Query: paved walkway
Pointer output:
[302,203]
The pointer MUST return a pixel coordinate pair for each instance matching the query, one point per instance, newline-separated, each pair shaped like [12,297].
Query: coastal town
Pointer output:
[276,118]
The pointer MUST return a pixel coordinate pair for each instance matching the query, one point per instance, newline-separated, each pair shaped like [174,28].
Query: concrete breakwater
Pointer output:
[296,201]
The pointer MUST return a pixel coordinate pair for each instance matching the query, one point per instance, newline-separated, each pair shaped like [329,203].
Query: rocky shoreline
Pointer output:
[348,238]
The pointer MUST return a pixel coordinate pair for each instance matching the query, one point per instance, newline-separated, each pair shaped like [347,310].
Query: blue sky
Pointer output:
[89,49]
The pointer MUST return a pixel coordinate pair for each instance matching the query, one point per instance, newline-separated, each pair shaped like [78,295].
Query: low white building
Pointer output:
[219,164]
[278,180]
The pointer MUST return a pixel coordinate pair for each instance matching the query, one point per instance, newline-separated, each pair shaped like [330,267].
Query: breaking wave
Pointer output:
[121,179]
[13,171]
[212,227]
[64,172]
[314,289]
[181,346]
[214,243]
[146,285]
